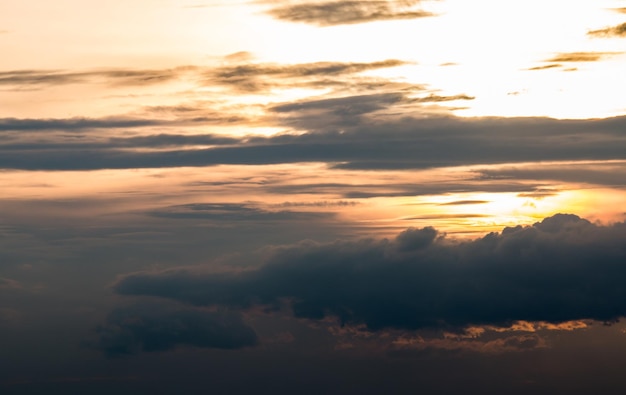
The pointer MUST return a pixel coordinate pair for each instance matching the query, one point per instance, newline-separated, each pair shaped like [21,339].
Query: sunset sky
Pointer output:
[312,196]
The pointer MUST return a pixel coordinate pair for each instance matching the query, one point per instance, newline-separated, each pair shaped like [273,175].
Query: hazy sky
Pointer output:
[312,196]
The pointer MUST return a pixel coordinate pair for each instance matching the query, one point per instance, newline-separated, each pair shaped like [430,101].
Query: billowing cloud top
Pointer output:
[561,269]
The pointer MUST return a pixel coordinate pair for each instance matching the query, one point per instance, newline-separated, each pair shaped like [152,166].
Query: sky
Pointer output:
[312,196]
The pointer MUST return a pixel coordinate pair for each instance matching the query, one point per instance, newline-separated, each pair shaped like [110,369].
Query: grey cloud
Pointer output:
[148,141]
[613,31]
[329,13]
[351,137]
[561,269]
[234,212]
[156,328]
[364,190]
[68,124]
[81,124]
[599,173]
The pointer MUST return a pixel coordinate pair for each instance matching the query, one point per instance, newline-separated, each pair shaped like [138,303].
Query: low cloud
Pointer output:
[330,13]
[155,328]
[561,269]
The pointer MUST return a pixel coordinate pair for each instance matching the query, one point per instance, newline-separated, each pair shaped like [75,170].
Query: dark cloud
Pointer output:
[330,13]
[598,173]
[561,269]
[148,141]
[68,124]
[365,190]
[153,328]
[234,212]
[80,124]
[613,31]
[582,56]
[348,133]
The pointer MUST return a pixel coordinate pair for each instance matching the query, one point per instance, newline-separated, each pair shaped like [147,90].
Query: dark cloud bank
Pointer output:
[346,133]
[560,269]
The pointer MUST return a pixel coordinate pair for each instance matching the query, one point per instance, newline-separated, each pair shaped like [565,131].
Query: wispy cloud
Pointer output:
[259,77]
[582,56]
[235,212]
[330,13]
[546,67]
[613,31]
[131,77]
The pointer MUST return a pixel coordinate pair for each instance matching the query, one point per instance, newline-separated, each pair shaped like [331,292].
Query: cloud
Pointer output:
[330,13]
[7,283]
[561,269]
[234,212]
[128,77]
[261,77]
[154,328]
[67,124]
[546,67]
[357,132]
[148,141]
[610,173]
[614,31]
[464,202]
[582,56]
[80,124]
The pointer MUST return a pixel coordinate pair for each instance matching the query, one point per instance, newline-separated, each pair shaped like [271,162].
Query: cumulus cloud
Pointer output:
[154,328]
[561,269]
[330,13]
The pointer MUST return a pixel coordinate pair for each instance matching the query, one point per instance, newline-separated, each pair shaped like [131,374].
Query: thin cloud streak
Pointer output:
[332,13]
